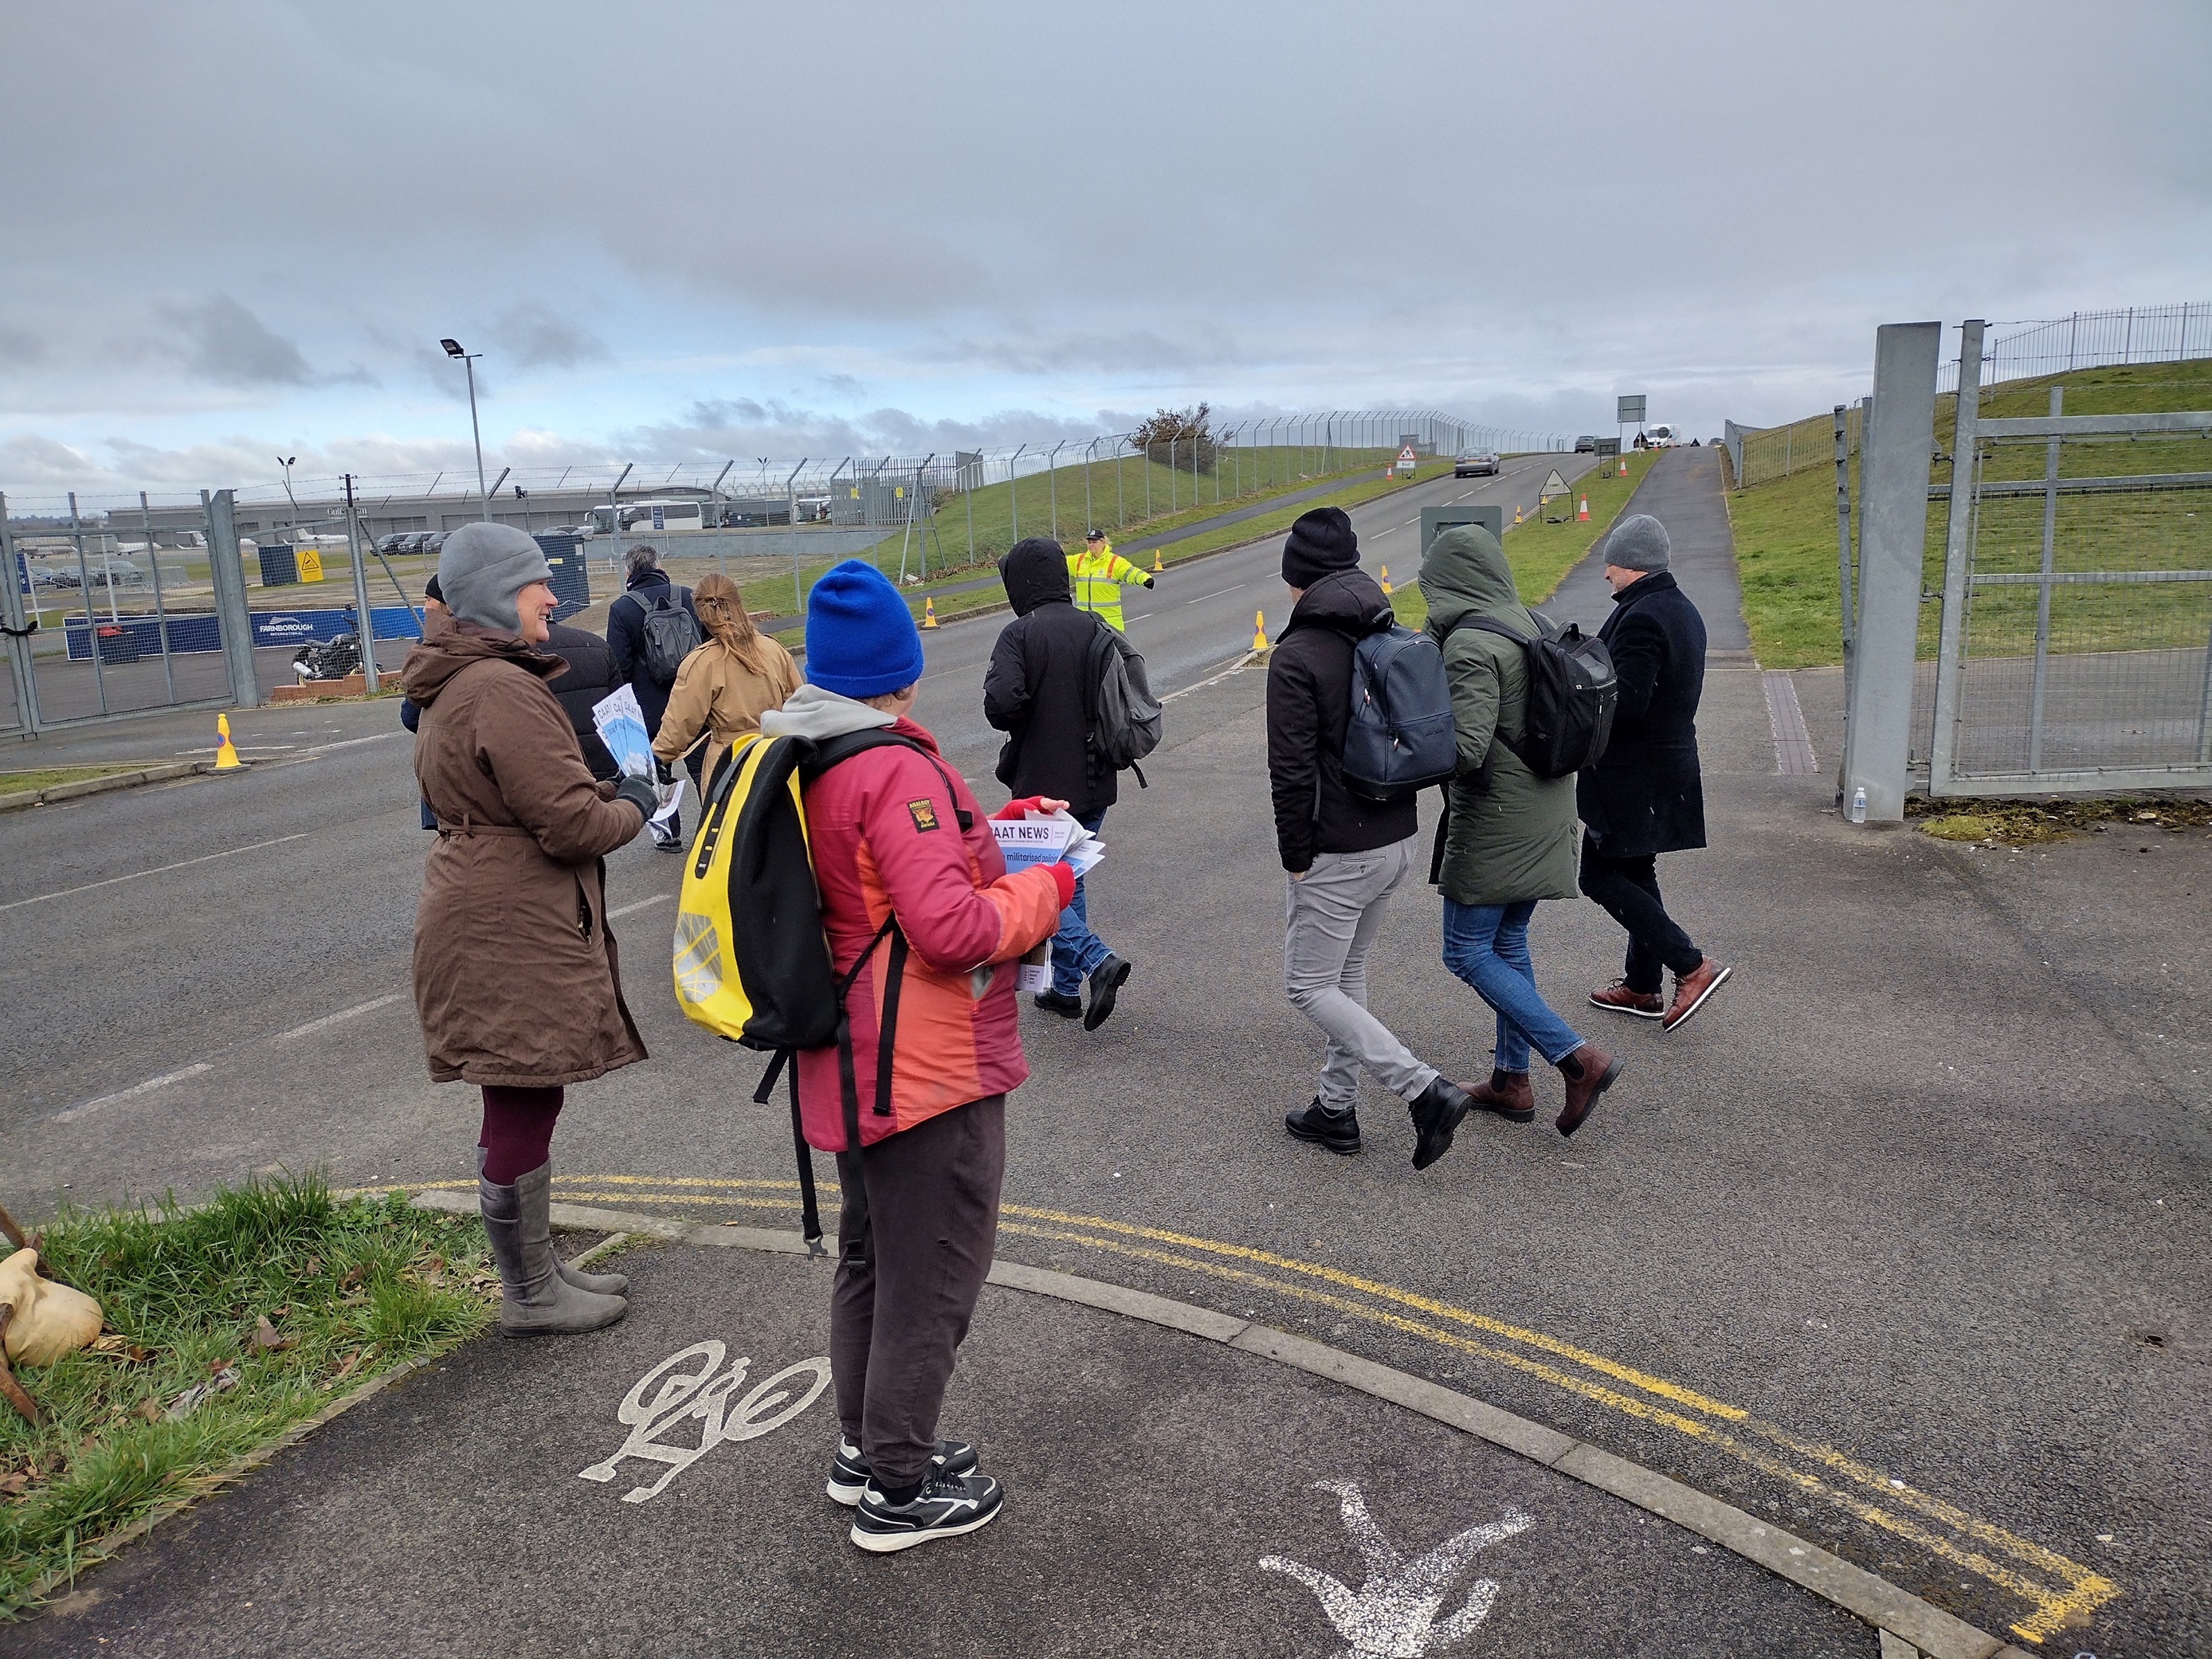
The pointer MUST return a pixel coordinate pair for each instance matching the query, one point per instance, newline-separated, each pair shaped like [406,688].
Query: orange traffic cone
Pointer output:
[928,612]
[1582,515]
[1624,466]
[226,757]
[1259,630]
[1386,579]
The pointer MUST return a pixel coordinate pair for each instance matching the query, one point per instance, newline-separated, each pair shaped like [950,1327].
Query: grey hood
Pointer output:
[810,712]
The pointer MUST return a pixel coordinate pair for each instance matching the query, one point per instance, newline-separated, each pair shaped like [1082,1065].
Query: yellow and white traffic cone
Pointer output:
[226,757]
[1386,579]
[928,612]
[1259,630]
[1582,515]
[1158,569]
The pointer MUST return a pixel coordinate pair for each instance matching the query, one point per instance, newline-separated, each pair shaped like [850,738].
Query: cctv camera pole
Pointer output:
[365,636]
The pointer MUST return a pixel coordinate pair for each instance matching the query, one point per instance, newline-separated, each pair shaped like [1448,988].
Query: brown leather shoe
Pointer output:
[1693,988]
[1595,1071]
[1644,1005]
[1516,1102]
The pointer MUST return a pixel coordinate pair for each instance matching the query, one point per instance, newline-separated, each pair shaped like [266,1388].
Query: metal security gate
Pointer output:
[2076,647]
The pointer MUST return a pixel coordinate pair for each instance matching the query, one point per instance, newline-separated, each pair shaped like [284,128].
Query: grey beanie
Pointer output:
[1639,542]
[482,567]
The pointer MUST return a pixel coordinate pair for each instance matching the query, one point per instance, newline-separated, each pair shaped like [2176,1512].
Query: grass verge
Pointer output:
[2021,823]
[1786,532]
[12,783]
[1539,550]
[275,1292]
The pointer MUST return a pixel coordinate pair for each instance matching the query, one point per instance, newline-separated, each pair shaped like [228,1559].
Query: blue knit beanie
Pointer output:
[860,638]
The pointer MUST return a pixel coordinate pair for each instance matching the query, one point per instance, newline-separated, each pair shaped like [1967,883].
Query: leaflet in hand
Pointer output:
[1043,838]
[620,723]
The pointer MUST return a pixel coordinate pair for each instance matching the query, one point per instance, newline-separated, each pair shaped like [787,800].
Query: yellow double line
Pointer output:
[2060,1592]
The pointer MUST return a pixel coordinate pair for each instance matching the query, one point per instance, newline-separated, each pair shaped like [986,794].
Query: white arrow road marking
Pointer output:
[1393,1615]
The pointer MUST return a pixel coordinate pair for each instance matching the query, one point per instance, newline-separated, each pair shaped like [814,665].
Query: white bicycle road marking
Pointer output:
[1393,1615]
[689,1390]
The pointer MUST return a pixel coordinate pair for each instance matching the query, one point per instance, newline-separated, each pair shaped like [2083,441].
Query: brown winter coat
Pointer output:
[515,974]
[715,693]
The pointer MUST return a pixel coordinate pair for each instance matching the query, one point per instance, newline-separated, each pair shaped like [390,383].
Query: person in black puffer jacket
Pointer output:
[1344,854]
[590,678]
[1039,692]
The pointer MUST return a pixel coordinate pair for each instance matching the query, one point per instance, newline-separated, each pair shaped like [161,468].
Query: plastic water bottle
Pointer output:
[1858,805]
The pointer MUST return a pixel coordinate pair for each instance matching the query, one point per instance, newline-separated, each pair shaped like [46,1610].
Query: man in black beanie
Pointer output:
[1344,854]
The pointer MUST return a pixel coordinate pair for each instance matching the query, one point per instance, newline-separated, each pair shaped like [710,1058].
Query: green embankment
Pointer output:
[1786,532]
[1541,550]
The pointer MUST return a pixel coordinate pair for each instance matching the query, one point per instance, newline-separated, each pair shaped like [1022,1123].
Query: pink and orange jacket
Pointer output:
[886,840]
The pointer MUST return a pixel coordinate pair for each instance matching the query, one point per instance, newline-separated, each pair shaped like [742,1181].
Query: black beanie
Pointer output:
[1319,542]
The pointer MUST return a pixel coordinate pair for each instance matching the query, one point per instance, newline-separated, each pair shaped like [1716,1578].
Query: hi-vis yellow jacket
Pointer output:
[1097,579]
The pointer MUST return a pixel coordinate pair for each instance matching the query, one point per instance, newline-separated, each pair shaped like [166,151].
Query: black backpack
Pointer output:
[1572,694]
[672,634]
[1125,725]
[1399,738]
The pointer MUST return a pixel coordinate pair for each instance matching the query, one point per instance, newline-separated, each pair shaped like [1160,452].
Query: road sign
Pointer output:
[1407,461]
[1554,485]
[1631,411]
[310,564]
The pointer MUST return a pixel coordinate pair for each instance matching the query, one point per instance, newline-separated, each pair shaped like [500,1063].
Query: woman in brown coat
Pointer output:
[515,974]
[727,684]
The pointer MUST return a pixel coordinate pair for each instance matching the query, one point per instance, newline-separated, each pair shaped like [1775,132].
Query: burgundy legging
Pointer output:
[518,1131]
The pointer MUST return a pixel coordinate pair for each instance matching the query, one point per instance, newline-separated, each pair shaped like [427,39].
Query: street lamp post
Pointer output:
[469,362]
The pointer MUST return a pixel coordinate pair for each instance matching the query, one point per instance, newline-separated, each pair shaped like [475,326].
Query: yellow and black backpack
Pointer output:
[751,961]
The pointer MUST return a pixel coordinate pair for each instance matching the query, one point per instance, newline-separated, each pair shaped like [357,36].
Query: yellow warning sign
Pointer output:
[311,565]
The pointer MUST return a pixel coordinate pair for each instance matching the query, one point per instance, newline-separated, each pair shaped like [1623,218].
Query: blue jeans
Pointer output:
[1076,950]
[1487,945]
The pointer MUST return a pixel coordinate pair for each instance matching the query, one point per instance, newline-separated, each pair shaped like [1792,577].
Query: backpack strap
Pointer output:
[1488,625]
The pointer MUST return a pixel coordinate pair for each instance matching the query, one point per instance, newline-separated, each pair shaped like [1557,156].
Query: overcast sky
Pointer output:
[686,230]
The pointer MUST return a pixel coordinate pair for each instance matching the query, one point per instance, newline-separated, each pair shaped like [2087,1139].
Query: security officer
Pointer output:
[1097,573]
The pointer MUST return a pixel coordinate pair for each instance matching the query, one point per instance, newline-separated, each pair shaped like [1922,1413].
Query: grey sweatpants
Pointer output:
[929,1225]
[1332,914]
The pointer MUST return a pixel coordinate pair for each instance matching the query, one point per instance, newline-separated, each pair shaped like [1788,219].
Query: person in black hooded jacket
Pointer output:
[1039,692]
[1343,854]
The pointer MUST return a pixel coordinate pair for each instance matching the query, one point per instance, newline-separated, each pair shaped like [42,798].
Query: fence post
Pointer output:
[1957,560]
[18,631]
[233,622]
[2037,686]
[1893,535]
[366,638]
[1844,540]
[160,607]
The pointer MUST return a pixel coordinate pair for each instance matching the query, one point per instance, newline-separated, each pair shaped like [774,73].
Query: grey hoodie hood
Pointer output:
[810,712]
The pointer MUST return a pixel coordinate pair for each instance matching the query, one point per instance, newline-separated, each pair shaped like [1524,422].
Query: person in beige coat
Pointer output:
[727,684]
[516,980]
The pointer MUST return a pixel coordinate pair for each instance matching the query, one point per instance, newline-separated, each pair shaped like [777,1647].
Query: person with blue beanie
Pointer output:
[920,912]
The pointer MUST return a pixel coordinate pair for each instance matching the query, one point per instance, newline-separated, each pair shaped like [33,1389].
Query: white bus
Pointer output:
[663,518]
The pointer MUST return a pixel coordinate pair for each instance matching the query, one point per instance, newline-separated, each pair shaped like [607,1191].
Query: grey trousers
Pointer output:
[1331,915]
[930,1222]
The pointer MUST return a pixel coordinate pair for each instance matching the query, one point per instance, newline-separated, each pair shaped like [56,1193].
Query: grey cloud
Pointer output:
[218,340]
[19,349]
[537,337]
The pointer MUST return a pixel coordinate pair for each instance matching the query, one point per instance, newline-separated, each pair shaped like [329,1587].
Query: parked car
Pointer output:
[395,542]
[1661,437]
[433,543]
[1475,464]
[1586,445]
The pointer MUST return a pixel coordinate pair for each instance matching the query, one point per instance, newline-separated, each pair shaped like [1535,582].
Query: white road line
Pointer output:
[1140,618]
[145,1088]
[325,748]
[342,1014]
[1203,598]
[163,870]
[637,904]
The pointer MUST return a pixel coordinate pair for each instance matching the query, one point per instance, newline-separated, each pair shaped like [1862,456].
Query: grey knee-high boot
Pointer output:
[535,1301]
[597,1284]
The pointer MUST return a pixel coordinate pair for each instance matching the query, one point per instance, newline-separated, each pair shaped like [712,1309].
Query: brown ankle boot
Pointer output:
[1589,1072]
[1507,1094]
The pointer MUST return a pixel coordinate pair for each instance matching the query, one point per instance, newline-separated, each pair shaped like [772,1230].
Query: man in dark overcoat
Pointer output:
[1645,795]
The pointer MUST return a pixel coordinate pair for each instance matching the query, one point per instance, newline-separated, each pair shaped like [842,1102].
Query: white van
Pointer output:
[665,517]
[1661,437]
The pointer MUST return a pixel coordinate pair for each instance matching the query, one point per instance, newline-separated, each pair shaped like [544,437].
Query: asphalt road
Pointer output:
[1902,1243]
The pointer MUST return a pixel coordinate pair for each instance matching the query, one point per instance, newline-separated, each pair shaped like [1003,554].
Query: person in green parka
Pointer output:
[1509,840]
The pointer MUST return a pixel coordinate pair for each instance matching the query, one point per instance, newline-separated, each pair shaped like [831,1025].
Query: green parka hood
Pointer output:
[1465,572]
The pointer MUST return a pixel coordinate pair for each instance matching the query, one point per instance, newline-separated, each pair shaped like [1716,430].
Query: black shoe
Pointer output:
[1054,1002]
[1338,1131]
[1435,1120]
[1105,986]
[848,1469]
[946,1506]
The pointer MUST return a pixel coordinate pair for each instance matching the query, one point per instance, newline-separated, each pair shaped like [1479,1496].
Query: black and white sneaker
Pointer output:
[946,1506]
[848,1469]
